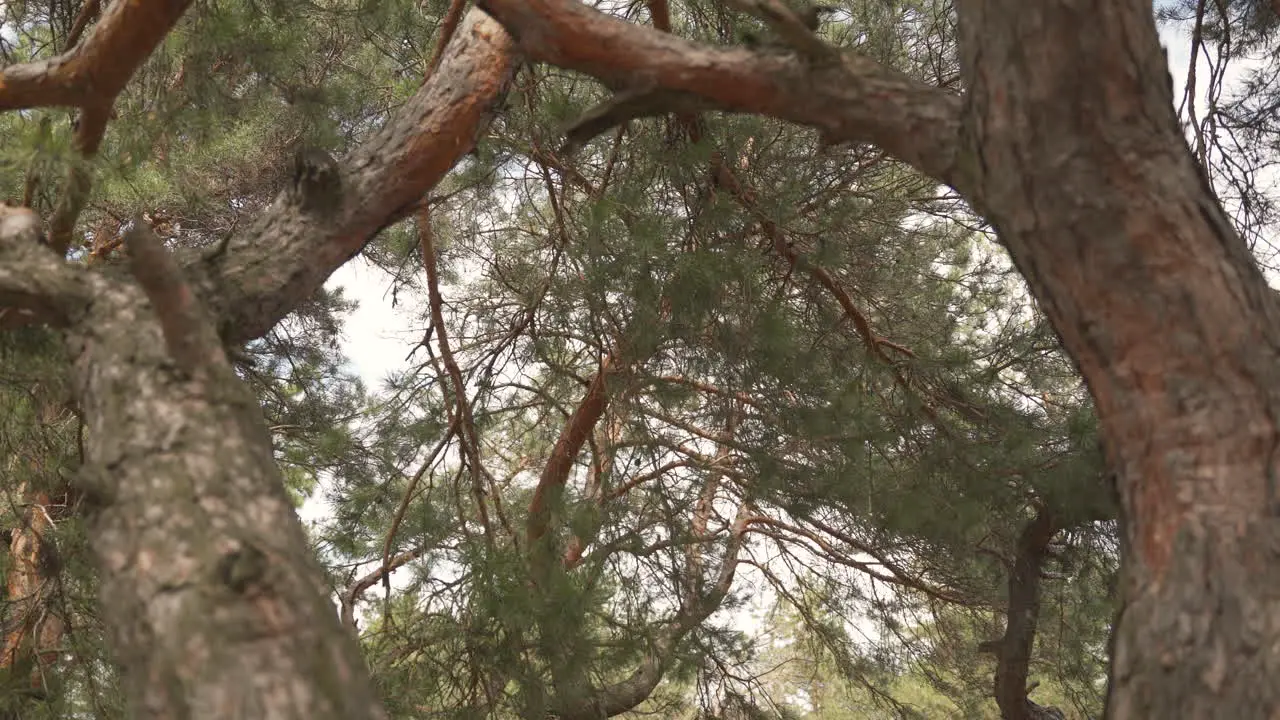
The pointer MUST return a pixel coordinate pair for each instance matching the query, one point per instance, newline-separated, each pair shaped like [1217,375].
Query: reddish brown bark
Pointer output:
[33,625]
[96,70]
[447,27]
[572,437]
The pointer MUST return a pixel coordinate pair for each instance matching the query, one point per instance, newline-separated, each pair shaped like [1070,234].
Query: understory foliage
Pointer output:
[815,410]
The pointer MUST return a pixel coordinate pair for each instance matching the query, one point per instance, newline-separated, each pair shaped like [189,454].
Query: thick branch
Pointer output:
[97,70]
[855,99]
[35,285]
[288,253]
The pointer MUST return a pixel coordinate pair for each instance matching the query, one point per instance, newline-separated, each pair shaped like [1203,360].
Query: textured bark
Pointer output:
[1066,140]
[95,71]
[287,254]
[1086,177]
[855,99]
[214,603]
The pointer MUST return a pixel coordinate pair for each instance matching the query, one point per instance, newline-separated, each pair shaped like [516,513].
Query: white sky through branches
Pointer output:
[378,337]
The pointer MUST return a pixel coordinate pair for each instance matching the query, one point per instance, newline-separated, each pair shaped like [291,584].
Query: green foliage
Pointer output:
[833,363]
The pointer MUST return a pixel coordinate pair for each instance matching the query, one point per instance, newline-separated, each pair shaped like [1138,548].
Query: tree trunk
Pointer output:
[1081,167]
[216,606]
[1013,650]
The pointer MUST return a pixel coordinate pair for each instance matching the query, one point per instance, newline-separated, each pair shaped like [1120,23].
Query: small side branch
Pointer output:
[643,100]
[794,29]
[351,595]
[189,334]
[90,127]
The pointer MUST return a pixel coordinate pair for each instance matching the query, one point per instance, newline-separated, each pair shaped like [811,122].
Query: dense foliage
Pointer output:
[704,411]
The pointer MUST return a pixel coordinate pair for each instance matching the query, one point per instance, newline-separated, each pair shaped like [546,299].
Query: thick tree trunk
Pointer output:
[216,605]
[1082,168]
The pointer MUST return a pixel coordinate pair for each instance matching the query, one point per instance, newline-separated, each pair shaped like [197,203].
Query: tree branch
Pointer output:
[35,284]
[625,695]
[94,72]
[352,594]
[1013,651]
[190,336]
[572,437]
[87,12]
[288,252]
[855,99]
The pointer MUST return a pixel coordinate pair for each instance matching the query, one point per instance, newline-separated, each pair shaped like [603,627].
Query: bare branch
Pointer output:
[87,12]
[92,124]
[1013,651]
[352,594]
[462,420]
[793,28]
[626,105]
[448,27]
[192,340]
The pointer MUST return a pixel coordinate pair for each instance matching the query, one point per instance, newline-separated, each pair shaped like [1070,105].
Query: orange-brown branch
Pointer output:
[853,99]
[382,182]
[87,13]
[94,72]
[447,28]
[572,437]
